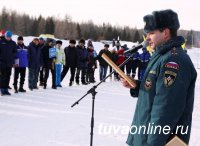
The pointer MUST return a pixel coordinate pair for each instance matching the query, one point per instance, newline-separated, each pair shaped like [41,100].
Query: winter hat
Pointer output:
[8,34]
[20,38]
[2,33]
[41,39]
[59,42]
[36,39]
[161,19]
[89,42]
[125,45]
[106,45]
[72,42]
[50,40]
[82,41]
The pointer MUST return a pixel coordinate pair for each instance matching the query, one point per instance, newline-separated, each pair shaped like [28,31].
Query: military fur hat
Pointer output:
[161,19]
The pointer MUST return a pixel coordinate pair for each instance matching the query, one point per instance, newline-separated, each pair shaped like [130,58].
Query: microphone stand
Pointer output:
[93,92]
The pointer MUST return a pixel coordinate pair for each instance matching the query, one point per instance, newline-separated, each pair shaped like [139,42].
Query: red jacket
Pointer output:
[121,57]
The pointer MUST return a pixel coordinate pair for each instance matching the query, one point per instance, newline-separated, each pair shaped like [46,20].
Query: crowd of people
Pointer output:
[44,55]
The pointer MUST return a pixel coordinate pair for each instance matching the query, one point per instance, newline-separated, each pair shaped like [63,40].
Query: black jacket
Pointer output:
[83,57]
[102,62]
[70,56]
[8,50]
[47,62]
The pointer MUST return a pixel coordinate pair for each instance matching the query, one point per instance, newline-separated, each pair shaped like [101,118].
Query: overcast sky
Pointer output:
[116,12]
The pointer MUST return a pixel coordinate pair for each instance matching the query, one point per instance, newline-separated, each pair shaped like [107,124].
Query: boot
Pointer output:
[45,86]
[41,83]
[6,92]
[133,76]
[15,88]
[2,91]
[54,87]
[36,87]
[93,81]
[84,83]
[70,83]
[77,82]
[21,89]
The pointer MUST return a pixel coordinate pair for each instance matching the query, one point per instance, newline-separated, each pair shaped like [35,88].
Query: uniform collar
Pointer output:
[174,42]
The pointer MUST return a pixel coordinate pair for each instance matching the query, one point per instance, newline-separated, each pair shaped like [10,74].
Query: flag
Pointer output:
[148,47]
[183,45]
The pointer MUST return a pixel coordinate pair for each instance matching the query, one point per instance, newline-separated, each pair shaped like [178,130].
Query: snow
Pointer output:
[45,117]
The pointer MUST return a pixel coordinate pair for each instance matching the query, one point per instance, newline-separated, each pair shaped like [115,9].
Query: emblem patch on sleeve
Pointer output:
[169,78]
[148,84]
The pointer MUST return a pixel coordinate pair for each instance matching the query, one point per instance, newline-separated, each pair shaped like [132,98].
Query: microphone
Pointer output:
[136,48]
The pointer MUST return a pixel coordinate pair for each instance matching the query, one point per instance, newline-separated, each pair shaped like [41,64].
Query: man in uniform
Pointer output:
[166,93]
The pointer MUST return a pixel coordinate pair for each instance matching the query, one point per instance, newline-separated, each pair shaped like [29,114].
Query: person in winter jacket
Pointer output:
[135,63]
[121,57]
[22,63]
[89,43]
[143,62]
[8,50]
[71,58]
[34,63]
[166,92]
[92,65]
[132,64]
[118,45]
[41,73]
[60,60]
[113,43]
[82,59]
[2,34]
[103,65]
[49,62]
[114,58]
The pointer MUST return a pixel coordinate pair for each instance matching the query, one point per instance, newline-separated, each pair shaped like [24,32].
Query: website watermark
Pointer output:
[151,128]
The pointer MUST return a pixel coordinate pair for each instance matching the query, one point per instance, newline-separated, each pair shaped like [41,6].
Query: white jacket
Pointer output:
[60,56]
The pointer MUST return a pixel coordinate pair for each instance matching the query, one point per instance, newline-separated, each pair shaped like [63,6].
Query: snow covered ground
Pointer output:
[45,117]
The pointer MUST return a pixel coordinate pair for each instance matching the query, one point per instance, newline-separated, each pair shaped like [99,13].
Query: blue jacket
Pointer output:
[136,56]
[22,55]
[145,56]
[144,60]
[34,56]
[8,50]
[82,57]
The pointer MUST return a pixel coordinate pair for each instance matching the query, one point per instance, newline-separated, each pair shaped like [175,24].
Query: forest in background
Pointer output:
[25,25]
